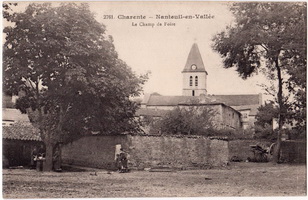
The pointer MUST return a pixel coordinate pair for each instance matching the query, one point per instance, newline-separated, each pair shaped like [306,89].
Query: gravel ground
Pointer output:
[239,179]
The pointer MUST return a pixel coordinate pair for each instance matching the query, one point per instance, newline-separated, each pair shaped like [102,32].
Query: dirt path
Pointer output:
[241,179]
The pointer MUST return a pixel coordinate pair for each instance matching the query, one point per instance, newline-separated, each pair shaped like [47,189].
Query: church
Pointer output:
[195,87]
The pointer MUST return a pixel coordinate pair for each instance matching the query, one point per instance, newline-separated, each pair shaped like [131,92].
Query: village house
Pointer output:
[19,137]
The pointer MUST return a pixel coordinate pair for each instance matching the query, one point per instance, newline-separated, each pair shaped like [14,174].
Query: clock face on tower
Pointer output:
[193,67]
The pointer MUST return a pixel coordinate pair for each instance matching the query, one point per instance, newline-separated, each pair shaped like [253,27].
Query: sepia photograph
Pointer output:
[132,99]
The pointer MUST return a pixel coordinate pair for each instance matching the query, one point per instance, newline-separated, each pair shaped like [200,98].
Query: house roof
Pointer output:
[194,58]
[12,114]
[175,101]
[151,112]
[238,100]
[21,131]
[229,100]
[7,101]
[154,100]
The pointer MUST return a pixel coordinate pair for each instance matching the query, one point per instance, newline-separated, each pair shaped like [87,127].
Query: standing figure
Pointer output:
[118,163]
[56,159]
[34,157]
[123,161]
[40,158]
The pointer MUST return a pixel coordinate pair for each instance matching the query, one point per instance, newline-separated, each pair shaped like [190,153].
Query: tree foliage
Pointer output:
[188,120]
[266,113]
[264,119]
[71,78]
[272,36]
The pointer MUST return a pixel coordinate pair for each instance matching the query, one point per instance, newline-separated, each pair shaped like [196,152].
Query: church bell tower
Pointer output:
[194,74]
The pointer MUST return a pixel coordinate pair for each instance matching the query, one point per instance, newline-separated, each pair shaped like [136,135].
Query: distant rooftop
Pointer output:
[229,100]
[12,114]
[151,112]
[238,100]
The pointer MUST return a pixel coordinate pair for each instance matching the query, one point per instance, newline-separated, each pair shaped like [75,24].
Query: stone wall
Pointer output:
[147,151]
[293,151]
[93,151]
[219,152]
[241,148]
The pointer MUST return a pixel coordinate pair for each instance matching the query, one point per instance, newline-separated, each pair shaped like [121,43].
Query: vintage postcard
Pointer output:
[153,99]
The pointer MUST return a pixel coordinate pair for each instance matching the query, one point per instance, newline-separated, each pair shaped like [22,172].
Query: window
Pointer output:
[196,81]
[193,92]
[190,81]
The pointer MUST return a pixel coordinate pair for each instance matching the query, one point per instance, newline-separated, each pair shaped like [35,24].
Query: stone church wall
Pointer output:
[147,151]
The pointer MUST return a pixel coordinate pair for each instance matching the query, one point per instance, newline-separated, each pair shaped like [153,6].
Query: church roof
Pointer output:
[238,100]
[175,100]
[229,100]
[151,112]
[194,58]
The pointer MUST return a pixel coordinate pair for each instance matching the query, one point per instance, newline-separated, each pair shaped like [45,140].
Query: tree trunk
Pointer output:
[48,156]
[276,157]
[48,162]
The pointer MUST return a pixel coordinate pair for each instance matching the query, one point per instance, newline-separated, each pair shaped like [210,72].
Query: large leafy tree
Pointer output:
[188,120]
[271,36]
[69,74]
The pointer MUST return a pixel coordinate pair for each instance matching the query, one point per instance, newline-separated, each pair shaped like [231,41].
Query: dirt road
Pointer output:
[240,179]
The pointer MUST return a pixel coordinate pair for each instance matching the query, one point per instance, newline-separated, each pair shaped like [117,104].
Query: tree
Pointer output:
[266,113]
[67,69]
[269,35]
[190,120]
[264,119]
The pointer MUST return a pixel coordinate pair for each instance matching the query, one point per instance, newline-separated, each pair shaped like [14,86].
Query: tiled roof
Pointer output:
[176,100]
[21,131]
[145,98]
[229,100]
[151,112]
[237,100]
[194,58]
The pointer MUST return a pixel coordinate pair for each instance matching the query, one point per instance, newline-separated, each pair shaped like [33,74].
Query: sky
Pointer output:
[163,50]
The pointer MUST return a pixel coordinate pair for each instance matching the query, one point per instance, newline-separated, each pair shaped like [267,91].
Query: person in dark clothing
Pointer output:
[56,159]
[118,162]
[41,152]
[34,158]
[123,161]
